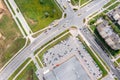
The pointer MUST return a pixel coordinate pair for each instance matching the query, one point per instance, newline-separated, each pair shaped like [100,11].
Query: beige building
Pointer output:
[110,37]
[115,14]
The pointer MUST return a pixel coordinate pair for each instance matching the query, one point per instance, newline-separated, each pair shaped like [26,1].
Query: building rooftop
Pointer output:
[115,14]
[69,70]
[111,38]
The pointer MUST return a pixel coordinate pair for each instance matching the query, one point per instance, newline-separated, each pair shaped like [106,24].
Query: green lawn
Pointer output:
[115,64]
[39,13]
[11,41]
[14,48]
[28,73]
[83,2]
[39,62]
[76,2]
[109,3]
[17,71]
[118,60]
[112,7]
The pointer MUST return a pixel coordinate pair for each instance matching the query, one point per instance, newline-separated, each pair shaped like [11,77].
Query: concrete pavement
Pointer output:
[70,20]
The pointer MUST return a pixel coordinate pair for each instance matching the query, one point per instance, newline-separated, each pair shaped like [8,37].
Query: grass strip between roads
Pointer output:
[20,25]
[109,3]
[10,7]
[118,60]
[104,72]
[75,2]
[28,73]
[79,2]
[83,2]
[14,74]
[115,64]
[112,7]
[39,62]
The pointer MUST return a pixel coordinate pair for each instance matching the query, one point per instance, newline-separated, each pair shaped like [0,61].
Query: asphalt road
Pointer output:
[20,17]
[39,41]
[17,15]
[71,19]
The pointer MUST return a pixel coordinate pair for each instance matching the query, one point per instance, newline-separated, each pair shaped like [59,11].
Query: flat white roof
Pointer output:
[69,70]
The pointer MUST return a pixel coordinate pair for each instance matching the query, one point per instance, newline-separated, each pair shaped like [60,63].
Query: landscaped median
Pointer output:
[17,71]
[38,60]
[112,7]
[115,64]
[99,61]
[118,60]
[109,3]
[21,25]
[80,3]
[10,7]
[28,73]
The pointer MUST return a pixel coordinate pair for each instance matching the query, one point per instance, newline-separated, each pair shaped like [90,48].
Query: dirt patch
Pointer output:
[1,5]
[2,37]
[2,9]
[32,22]
[10,37]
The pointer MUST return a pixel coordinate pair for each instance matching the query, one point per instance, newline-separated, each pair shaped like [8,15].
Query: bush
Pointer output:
[41,2]
[92,21]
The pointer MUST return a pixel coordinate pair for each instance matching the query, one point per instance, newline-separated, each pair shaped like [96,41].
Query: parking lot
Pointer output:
[60,50]
[65,49]
[88,61]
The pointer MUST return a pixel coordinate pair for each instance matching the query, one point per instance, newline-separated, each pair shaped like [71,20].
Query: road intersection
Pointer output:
[72,19]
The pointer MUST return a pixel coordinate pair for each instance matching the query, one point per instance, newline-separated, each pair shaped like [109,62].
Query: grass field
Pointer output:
[39,13]
[11,41]
[28,73]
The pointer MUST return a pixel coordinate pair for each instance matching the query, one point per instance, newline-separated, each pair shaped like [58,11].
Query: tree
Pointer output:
[41,2]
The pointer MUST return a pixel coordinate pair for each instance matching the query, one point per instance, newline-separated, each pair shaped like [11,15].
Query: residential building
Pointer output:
[115,14]
[110,37]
